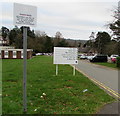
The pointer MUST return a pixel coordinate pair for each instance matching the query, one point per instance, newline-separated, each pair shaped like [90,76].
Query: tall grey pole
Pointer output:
[24,69]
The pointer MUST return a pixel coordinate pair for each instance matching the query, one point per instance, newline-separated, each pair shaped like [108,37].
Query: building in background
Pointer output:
[9,52]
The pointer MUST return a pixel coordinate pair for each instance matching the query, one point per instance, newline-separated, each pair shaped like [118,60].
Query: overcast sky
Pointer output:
[75,19]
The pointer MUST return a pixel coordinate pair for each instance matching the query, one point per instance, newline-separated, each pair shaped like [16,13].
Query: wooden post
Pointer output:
[73,70]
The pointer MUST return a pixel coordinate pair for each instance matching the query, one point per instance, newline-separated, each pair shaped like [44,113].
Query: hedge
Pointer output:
[118,62]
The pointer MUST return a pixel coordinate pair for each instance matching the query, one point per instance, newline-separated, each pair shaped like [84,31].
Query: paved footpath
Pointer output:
[112,108]
[106,78]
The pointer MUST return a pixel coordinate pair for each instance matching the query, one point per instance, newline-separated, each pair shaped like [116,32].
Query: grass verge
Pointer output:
[107,64]
[64,93]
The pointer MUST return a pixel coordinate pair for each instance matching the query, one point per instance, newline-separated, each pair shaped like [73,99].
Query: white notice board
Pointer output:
[64,55]
[25,15]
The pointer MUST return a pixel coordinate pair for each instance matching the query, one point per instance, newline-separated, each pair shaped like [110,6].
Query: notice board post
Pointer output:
[25,16]
[74,70]
[56,69]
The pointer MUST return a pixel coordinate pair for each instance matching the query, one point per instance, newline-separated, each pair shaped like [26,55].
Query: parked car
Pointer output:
[99,58]
[114,58]
[79,55]
[37,54]
[90,57]
[83,57]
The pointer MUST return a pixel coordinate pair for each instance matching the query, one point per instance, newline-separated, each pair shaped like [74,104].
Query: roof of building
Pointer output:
[16,49]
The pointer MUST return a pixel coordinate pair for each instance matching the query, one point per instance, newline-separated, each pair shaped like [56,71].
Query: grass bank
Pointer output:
[64,93]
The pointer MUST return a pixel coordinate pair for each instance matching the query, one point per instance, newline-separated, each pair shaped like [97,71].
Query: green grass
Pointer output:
[108,64]
[64,93]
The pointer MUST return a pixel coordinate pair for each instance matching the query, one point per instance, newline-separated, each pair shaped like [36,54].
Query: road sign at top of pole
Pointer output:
[25,15]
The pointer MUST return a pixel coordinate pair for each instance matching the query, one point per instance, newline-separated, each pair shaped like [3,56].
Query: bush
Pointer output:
[118,62]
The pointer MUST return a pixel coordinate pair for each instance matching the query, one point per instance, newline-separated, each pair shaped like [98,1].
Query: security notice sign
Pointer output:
[25,15]
[64,55]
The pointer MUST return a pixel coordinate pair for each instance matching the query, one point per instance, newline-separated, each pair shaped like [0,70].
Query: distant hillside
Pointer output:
[75,42]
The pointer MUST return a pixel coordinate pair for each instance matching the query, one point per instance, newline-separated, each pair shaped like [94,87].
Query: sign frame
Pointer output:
[69,56]
[65,55]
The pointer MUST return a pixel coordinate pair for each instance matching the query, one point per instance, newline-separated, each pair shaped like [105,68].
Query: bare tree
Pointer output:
[115,25]
[58,35]
[58,38]
[40,33]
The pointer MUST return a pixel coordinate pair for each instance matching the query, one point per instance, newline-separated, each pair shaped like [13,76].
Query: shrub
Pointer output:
[118,62]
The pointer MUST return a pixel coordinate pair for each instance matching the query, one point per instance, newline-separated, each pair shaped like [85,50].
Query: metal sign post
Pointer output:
[24,68]
[25,15]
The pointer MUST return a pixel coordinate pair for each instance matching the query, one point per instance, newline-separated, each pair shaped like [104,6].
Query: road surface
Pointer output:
[105,77]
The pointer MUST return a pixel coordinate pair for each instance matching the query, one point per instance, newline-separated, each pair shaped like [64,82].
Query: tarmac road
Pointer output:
[107,78]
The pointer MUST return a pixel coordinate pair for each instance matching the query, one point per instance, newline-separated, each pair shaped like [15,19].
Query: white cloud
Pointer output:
[59,1]
[75,16]
[74,19]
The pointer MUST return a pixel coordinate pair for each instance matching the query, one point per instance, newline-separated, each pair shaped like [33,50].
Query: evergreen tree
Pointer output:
[48,45]
[102,39]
